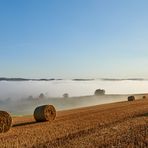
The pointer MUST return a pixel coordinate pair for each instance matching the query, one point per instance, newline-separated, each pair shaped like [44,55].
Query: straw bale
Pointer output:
[5,122]
[45,113]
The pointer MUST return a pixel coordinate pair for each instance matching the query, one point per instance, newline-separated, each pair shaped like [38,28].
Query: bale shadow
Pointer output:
[145,114]
[23,124]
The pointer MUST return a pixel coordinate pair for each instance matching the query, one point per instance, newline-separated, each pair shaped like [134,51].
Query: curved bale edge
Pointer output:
[131,98]
[45,113]
[5,121]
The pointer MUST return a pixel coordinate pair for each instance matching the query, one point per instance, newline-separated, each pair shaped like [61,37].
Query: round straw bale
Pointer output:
[5,121]
[45,113]
[131,98]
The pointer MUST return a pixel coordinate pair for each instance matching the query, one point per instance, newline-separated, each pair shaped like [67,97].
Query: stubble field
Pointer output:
[123,124]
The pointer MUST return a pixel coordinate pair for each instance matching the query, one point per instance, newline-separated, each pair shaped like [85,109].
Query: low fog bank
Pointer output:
[21,98]
[27,106]
[17,90]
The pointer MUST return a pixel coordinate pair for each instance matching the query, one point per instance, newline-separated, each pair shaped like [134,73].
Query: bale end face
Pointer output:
[45,113]
[131,98]
[5,122]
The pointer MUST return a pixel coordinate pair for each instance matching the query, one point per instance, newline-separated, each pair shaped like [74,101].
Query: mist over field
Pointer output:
[21,97]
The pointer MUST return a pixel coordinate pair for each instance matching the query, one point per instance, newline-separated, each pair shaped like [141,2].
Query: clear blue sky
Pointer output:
[74,38]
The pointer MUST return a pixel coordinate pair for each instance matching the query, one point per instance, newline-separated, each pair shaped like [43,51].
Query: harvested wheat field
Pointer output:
[123,124]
